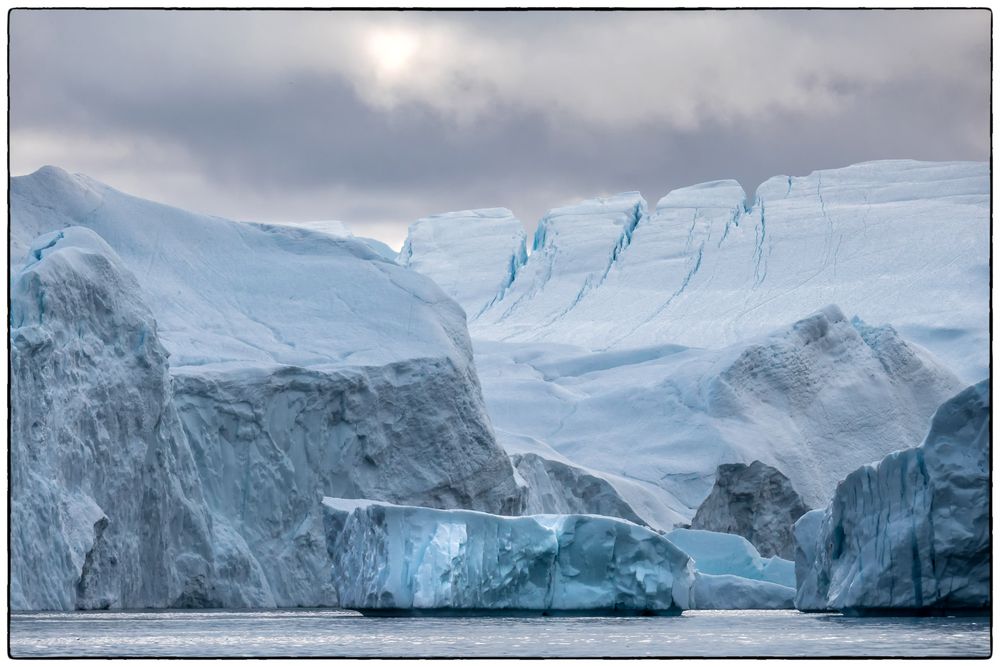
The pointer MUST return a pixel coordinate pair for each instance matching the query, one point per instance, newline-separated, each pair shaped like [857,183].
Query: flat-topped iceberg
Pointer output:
[910,533]
[406,559]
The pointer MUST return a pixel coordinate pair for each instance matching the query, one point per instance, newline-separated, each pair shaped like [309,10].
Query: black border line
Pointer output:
[489,9]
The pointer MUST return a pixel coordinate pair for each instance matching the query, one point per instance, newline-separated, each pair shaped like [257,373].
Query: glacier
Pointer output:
[711,267]
[401,559]
[910,533]
[657,422]
[300,365]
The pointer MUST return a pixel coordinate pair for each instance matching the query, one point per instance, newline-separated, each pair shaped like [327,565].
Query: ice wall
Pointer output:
[107,507]
[911,532]
[893,241]
[391,557]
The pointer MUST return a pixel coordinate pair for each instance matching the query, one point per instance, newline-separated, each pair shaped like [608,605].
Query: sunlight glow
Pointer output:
[392,50]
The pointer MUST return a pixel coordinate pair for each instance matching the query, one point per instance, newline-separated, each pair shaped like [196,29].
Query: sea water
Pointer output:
[320,632]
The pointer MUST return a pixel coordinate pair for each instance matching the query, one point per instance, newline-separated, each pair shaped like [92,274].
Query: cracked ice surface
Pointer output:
[895,241]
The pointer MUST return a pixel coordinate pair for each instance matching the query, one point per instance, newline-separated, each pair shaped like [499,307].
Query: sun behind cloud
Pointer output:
[392,49]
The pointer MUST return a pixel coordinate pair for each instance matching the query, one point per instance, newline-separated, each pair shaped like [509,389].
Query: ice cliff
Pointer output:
[473,255]
[301,365]
[106,503]
[399,558]
[756,501]
[910,533]
[893,241]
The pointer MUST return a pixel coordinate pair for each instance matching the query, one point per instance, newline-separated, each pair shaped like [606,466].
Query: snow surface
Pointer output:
[472,255]
[894,241]
[225,292]
[300,365]
[413,558]
[815,400]
[911,532]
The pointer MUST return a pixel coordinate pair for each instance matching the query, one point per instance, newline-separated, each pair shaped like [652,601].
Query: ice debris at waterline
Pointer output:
[911,532]
[409,559]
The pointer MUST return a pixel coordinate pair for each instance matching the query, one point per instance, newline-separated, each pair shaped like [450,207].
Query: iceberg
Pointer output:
[725,554]
[400,559]
[911,533]
[727,591]
[106,502]
[300,365]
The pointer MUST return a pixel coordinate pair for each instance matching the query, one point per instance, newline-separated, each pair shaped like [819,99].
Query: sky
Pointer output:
[380,118]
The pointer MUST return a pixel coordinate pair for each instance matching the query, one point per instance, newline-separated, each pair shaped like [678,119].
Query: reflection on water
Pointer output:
[325,632]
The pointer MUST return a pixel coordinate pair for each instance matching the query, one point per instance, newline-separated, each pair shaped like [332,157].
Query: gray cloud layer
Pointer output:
[378,118]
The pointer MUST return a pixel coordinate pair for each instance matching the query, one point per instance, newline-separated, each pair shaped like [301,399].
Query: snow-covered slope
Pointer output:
[896,241]
[911,532]
[227,292]
[814,400]
[106,503]
[412,558]
[302,365]
[472,255]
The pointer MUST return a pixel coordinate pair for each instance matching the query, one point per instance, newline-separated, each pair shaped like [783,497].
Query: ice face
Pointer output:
[910,532]
[894,241]
[106,503]
[413,558]
[661,420]
[473,255]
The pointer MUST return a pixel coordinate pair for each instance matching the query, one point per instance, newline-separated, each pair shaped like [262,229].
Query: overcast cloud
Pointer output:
[379,118]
